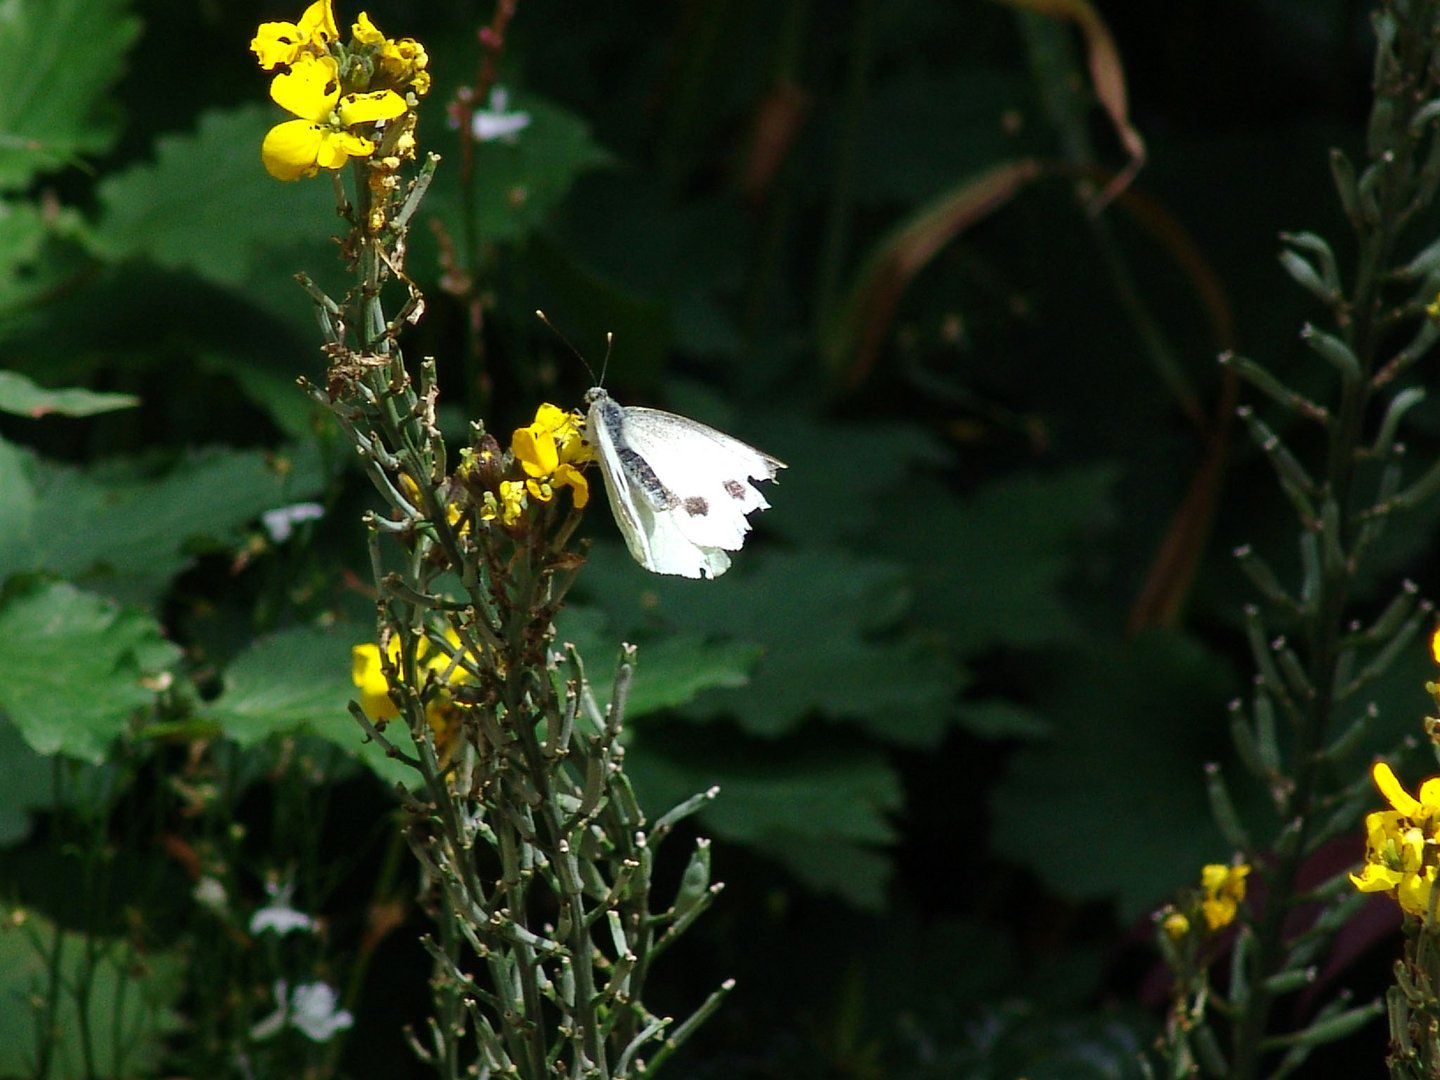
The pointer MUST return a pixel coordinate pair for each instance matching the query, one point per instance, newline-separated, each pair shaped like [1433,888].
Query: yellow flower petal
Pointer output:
[1413,892]
[1375,878]
[368,676]
[1411,849]
[367,108]
[512,499]
[277,43]
[1430,798]
[535,450]
[1218,913]
[318,24]
[1176,926]
[365,31]
[1395,795]
[568,475]
[309,89]
[551,417]
[290,148]
[1234,886]
[1213,876]
[338,147]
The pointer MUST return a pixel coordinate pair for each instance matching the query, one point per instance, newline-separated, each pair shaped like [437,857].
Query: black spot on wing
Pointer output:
[735,489]
[696,506]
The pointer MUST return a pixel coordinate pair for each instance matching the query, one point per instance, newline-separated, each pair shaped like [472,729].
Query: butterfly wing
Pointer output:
[679,490]
[599,432]
[706,472]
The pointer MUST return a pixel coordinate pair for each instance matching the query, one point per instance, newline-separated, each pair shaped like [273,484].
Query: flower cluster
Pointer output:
[1224,889]
[1400,844]
[550,451]
[368,673]
[1216,903]
[343,95]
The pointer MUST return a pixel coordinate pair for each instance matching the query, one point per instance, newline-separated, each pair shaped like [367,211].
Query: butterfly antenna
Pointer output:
[605,366]
[576,352]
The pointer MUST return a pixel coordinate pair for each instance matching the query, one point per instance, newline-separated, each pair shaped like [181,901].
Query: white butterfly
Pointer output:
[679,490]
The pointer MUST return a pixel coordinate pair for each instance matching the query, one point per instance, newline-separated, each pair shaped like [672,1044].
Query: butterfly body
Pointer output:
[680,491]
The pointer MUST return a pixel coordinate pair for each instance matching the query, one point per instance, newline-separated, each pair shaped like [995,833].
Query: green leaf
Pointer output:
[19,502]
[296,682]
[175,214]
[669,672]
[839,653]
[130,1002]
[1133,721]
[129,534]
[23,397]
[993,566]
[996,718]
[521,180]
[22,235]
[813,502]
[42,257]
[38,250]
[27,783]
[819,811]
[58,59]
[72,676]
[676,671]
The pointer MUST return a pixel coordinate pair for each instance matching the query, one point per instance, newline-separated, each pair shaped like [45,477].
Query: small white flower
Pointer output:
[280,915]
[210,893]
[309,1009]
[281,522]
[494,123]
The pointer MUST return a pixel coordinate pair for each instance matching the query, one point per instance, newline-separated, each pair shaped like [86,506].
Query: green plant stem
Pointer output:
[1324,628]
[516,779]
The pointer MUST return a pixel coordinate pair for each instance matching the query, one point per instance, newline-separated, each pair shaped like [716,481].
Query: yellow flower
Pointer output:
[1421,811]
[1175,925]
[508,507]
[1224,888]
[1393,849]
[512,500]
[368,675]
[1400,843]
[277,43]
[1413,893]
[400,63]
[404,62]
[549,450]
[322,138]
